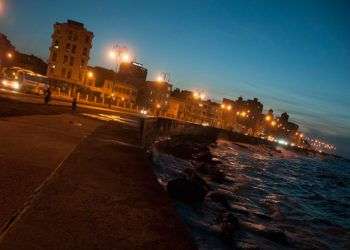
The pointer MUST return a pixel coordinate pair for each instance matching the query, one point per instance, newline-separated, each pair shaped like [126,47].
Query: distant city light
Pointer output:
[273,123]
[90,74]
[267,118]
[160,79]
[202,96]
[282,142]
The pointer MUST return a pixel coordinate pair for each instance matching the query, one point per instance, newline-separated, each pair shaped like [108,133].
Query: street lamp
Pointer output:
[120,54]
[125,57]
[9,55]
[160,79]
[273,123]
[90,74]
[195,95]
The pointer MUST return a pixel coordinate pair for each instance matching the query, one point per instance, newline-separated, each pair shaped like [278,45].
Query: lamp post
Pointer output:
[120,54]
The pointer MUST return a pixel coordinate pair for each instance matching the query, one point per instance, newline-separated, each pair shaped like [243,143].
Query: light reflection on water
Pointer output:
[306,197]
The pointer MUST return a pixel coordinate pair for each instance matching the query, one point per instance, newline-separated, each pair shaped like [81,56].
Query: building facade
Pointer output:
[69,52]
[132,72]
[154,96]
[6,51]
[30,62]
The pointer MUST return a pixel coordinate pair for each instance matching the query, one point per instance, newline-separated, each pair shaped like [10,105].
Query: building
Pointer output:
[124,95]
[30,62]
[132,72]
[227,114]
[175,108]
[154,96]
[6,51]
[69,52]
[116,93]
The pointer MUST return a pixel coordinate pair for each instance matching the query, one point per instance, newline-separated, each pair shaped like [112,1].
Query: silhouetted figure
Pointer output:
[74,104]
[47,96]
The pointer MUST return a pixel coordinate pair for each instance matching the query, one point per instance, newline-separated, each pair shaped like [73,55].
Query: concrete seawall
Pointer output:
[152,128]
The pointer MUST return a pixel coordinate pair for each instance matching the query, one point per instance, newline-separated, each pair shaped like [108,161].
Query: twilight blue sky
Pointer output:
[293,55]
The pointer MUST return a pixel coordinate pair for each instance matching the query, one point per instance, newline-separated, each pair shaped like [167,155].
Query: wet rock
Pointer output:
[203,168]
[217,175]
[229,224]
[246,245]
[240,210]
[188,190]
[219,197]
[272,234]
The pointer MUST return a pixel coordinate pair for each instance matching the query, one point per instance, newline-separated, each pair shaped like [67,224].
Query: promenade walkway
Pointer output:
[103,195]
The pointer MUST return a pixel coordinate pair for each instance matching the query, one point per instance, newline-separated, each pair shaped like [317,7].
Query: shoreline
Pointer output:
[199,182]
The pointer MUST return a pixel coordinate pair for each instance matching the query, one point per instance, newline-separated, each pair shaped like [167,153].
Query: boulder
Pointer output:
[270,233]
[219,197]
[217,175]
[229,224]
[188,190]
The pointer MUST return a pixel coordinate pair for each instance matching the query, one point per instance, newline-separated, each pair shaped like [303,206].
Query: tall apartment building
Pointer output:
[69,52]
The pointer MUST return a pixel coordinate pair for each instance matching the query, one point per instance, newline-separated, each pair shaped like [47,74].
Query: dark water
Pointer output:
[305,197]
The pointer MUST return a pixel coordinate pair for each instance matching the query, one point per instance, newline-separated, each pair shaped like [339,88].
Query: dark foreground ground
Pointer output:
[73,182]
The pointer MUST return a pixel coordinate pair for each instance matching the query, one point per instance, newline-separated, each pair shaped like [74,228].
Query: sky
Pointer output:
[293,55]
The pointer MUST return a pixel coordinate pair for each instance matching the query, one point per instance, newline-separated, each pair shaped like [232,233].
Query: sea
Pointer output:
[304,196]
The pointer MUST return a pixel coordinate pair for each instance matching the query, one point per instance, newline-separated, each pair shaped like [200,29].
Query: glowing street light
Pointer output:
[90,74]
[223,106]
[195,95]
[120,54]
[273,123]
[160,79]
[125,57]
[267,118]
[9,55]
[112,55]
[158,106]
[229,107]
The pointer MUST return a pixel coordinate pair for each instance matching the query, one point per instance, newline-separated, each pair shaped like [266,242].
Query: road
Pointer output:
[79,181]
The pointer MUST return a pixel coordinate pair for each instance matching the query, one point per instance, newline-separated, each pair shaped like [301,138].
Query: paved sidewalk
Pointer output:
[31,147]
[104,196]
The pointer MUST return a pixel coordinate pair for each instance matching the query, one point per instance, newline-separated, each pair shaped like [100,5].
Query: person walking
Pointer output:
[74,104]
[47,96]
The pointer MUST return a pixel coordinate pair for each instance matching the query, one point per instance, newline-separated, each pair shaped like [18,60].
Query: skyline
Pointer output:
[294,58]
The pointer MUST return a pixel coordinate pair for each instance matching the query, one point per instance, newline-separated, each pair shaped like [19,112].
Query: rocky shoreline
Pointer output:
[200,182]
